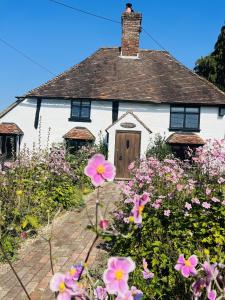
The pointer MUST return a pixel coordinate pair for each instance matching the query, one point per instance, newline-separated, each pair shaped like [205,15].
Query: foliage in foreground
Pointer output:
[32,190]
[170,208]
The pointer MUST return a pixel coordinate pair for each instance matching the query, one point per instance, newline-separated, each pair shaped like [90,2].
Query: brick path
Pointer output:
[70,245]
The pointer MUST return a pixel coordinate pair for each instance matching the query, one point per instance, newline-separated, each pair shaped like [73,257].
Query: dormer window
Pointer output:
[222,111]
[184,118]
[80,110]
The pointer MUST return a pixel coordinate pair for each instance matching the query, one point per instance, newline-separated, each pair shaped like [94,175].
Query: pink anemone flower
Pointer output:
[99,170]
[100,293]
[139,207]
[104,224]
[57,284]
[212,295]
[116,275]
[187,266]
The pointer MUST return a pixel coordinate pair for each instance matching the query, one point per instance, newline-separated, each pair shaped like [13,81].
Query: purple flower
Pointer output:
[99,170]
[147,274]
[206,205]
[57,284]
[210,272]
[100,293]
[198,287]
[116,275]
[187,266]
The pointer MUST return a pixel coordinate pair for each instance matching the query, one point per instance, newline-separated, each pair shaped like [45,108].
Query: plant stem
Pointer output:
[50,255]
[14,271]
[96,236]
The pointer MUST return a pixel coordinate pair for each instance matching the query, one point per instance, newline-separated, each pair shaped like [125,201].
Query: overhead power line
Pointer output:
[26,56]
[85,12]
[106,19]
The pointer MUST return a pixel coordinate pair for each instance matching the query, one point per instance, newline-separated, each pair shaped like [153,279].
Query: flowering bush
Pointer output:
[32,190]
[172,207]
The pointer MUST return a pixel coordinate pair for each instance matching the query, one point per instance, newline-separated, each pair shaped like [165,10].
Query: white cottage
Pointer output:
[126,93]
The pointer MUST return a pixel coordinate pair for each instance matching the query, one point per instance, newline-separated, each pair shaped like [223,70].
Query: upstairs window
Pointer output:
[222,111]
[80,110]
[185,118]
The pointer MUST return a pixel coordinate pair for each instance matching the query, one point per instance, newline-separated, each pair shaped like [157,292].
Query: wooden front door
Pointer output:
[127,149]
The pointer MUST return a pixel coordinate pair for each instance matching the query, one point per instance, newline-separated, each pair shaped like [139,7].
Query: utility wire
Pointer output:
[85,12]
[106,19]
[26,56]
[153,39]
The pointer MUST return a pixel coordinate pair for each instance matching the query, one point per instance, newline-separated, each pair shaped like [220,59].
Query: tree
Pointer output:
[212,66]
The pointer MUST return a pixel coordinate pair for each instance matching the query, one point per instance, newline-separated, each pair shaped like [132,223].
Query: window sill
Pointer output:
[185,130]
[79,120]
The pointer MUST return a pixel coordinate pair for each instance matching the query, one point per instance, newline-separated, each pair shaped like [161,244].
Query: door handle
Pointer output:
[120,157]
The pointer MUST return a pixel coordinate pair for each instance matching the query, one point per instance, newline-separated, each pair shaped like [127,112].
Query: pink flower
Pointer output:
[206,205]
[104,224]
[221,180]
[188,206]
[100,293]
[179,187]
[187,266]
[73,275]
[214,199]
[195,200]
[57,284]
[116,276]
[147,274]
[208,191]
[223,202]
[212,295]
[167,212]
[133,294]
[99,170]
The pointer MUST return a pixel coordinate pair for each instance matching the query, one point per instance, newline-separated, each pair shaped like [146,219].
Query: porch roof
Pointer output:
[185,138]
[79,133]
[10,128]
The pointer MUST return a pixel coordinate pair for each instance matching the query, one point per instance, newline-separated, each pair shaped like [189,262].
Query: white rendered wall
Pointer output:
[54,114]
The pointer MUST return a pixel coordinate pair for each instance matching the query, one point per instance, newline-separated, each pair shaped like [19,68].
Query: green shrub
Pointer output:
[175,220]
[159,148]
[32,190]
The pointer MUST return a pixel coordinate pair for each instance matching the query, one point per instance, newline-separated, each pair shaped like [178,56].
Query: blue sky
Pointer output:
[58,37]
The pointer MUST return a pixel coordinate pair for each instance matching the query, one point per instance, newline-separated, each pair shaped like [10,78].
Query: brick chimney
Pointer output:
[131,28]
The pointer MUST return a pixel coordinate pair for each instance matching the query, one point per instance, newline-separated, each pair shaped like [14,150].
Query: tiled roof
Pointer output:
[185,138]
[10,128]
[79,133]
[155,77]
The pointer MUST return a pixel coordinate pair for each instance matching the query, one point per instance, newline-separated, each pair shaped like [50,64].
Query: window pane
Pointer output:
[76,102]
[177,109]
[75,111]
[192,109]
[177,120]
[85,112]
[191,121]
[222,111]
[85,102]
